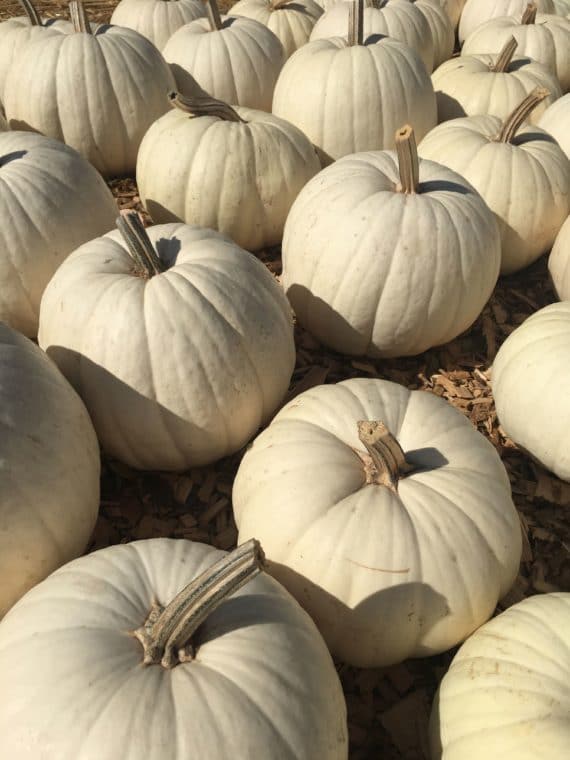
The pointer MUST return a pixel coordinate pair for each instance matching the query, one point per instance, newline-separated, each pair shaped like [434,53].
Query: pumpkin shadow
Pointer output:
[448,105]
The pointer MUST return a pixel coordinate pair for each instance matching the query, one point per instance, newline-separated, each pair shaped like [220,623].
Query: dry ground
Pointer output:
[389,708]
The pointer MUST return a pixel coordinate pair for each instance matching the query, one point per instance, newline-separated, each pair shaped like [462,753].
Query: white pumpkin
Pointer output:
[390,562]
[97,92]
[157,20]
[49,469]
[236,171]
[234,59]
[290,20]
[562,7]
[469,85]
[506,692]
[109,674]
[559,262]
[545,39]
[398,19]
[385,258]
[359,92]
[454,9]
[179,358]
[531,414]
[44,218]
[477,12]
[520,171]
[556,121]
[442,31]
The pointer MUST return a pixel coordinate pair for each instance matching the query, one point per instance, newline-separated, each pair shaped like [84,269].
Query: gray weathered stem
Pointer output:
[204,105]
[505,56]
[214,16]
[408,162]
[356,23]
[31,12]
[515,120]
[529,16]
[79,17]
[388,460]
[139,245]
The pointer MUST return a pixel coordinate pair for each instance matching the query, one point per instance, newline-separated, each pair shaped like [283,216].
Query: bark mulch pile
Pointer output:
[389,708]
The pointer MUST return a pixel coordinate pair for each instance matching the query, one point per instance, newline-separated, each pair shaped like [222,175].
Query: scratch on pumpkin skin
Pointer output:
[377,569]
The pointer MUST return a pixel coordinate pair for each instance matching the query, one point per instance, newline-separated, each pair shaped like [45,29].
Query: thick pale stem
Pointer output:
[204,105]
[31,12]
[79,18]
[408,162]
[356,23]
[214,16]
[166,635]
[388,463]
[505,57]
[140,248]
[529,16]
[512,123]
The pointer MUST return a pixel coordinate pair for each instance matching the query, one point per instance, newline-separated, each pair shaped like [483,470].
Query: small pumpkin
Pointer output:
[506,691]
[519,170]
[49,468]
[157,20]
[559,262]
[555,121]
[477,12]
[179,342]
[534,418]
[234,59]
[162,649]
[234,170]
[385,514]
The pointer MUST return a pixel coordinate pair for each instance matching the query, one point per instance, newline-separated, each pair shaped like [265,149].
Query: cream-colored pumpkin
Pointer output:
[559,262]
[469,85]
[98,92]
[157,20]
[454,9]
[506,692]
[213,170]
[477,12]
[254,681]
[545,39]
[49,469]
[556,121]
[442,31]
[398,19]
[290,20]
[358,94]
[51,202]
[562,7]
[234,59]
[520,171]
[389,564]
[178,368]
[534,415]
[370,269]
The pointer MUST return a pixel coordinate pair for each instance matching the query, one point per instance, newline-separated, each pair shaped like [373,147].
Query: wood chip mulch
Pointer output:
[389,708]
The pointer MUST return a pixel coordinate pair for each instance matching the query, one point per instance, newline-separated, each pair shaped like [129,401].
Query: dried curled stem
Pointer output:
[204,105]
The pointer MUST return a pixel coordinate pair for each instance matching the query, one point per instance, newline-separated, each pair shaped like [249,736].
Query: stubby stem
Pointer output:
[529,16]
[505,57]
[512,123]
[31,12]
[388,463]
[408,162]
[214,16]
[204,105]
[139,245]
[356,23]
[79,17]
[166,634]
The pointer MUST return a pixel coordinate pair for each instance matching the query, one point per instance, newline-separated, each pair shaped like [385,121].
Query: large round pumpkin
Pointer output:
[157,20]
[49,469]
[51,202]
[179,353]
[559,262]
[556,121]
[385,514]
[531,387]
[506,692]
[477,12]
[234,170]
[166,649]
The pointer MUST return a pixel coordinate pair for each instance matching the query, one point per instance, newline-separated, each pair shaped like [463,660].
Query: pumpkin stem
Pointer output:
[388,461]
[512,123]
[529,16]
[79,17]
[214,16]
[276,4]
[167,632]
[31,12]
[505,57]
[408,162]
[356,23]
[204,105]
[140,248]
